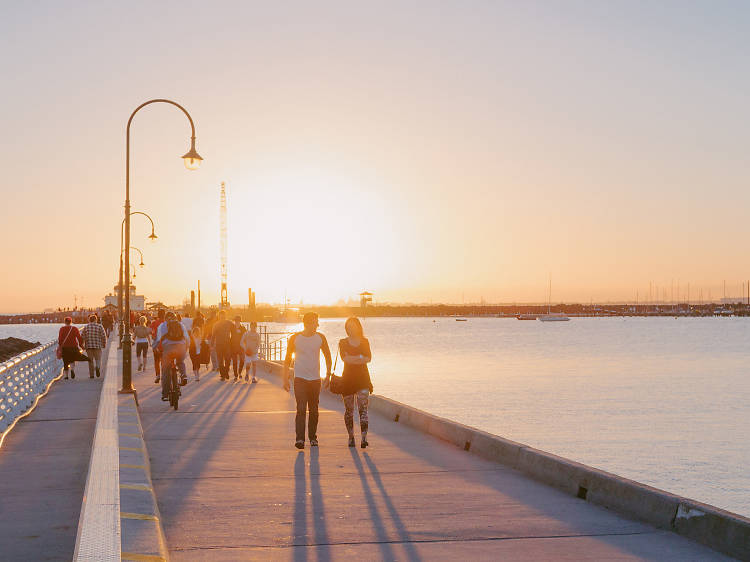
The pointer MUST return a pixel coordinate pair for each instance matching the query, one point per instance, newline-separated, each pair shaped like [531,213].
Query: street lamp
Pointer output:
[192,161]
[152,237]
[141,254]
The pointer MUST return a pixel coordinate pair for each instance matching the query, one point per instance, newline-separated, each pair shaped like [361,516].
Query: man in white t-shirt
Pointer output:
[306,347]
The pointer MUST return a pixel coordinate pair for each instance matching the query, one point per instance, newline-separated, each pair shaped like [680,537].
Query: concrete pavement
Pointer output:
[43,467]
[230,485]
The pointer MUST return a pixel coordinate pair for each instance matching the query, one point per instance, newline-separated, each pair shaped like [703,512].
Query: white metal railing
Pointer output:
[23,378]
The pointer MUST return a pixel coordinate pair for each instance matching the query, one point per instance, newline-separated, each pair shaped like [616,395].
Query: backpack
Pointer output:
[174,331]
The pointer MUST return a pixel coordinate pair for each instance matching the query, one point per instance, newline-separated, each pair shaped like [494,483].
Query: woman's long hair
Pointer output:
[353,324]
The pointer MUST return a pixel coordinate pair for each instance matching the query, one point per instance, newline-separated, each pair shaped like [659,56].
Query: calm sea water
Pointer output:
[662,401]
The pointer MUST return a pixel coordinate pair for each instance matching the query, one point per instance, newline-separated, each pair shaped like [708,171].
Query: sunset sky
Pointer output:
[424,151]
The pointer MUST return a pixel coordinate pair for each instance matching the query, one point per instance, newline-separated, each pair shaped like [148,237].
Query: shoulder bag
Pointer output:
[336,384]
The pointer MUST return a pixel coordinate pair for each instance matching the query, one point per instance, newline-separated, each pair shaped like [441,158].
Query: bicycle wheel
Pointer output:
[175,388]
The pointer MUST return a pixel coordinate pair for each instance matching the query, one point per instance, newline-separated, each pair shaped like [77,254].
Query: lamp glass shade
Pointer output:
[152,237]
[192,159]
[192,163]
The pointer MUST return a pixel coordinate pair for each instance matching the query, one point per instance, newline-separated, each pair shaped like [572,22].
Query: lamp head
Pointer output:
[152,237]
[141,264]
[191,158]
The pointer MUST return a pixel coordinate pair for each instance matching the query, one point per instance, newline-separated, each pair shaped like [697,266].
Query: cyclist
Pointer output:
[174,340]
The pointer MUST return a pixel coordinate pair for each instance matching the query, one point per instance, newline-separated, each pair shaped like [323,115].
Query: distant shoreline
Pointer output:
[265,313]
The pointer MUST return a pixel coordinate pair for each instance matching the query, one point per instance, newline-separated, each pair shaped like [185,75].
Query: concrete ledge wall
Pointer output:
[718,529]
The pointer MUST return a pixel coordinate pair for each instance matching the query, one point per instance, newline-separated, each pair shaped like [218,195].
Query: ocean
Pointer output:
[664,401]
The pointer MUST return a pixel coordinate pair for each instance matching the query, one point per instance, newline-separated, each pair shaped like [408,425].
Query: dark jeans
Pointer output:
[224,355]
[307,394]
[238,361]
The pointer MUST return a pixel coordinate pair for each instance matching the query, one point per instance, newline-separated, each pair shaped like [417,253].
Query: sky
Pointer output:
[424,151]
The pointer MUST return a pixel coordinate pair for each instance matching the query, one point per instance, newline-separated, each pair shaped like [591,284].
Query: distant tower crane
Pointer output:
[223,238]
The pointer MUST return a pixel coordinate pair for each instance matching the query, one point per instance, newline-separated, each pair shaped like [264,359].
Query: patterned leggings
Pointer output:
[362,398]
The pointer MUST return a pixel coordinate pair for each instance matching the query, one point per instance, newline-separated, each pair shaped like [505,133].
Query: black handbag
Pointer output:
[336,383]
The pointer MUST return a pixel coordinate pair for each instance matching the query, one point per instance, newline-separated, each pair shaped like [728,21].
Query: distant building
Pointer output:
[137,302]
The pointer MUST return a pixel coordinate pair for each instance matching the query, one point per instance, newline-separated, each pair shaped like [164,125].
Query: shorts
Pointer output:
[252,358]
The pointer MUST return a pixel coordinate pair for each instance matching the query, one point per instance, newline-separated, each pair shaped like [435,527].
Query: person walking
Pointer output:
[108,322]
[187,322]
[94,340]
[199,321]
[306,347]
[221,340]
[238,356]
[174,340]
[69,339]
[156,348]
[250,344]
[355,380]
[198,351]
[142,342]
[208,332]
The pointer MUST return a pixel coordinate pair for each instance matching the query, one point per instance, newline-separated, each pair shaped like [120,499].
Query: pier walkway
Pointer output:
[220,479]
[43,465]
[231,486]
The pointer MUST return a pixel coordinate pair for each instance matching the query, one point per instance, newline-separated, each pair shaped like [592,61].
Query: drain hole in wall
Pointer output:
[582,492]
[467,445]
[396,418]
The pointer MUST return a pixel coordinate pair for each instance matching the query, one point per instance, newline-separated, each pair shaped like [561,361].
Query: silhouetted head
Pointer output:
[170,316]
[310,320]
[222,314]
[92,317]
[253,325]
[142,320]
[68,320]
[161,314]
[353,327]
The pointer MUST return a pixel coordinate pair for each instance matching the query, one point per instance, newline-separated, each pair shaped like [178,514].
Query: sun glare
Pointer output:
[316,239]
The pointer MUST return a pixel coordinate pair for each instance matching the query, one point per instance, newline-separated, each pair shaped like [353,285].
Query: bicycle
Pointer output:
[174,386]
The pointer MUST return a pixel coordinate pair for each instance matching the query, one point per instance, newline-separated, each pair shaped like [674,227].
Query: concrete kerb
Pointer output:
[142,532]
[718,529]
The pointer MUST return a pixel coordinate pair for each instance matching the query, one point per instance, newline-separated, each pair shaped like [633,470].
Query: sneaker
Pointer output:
[183,381]
[72,374]
[245,377]
[254,379]
[364,443]
[91,376]
[351,442]
[98,373]
[158,378]
[197,378]
[313,442]
[164,398]
[66,377]
[300,444]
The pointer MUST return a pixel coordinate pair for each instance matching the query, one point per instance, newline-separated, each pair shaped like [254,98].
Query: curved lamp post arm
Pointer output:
[152,236]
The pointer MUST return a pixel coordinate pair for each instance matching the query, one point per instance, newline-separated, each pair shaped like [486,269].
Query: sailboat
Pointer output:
[552,317]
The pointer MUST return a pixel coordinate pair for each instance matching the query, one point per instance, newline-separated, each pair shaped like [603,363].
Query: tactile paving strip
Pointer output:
[99,526]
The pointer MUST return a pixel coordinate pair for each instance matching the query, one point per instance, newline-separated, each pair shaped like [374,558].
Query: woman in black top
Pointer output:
[356,385]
